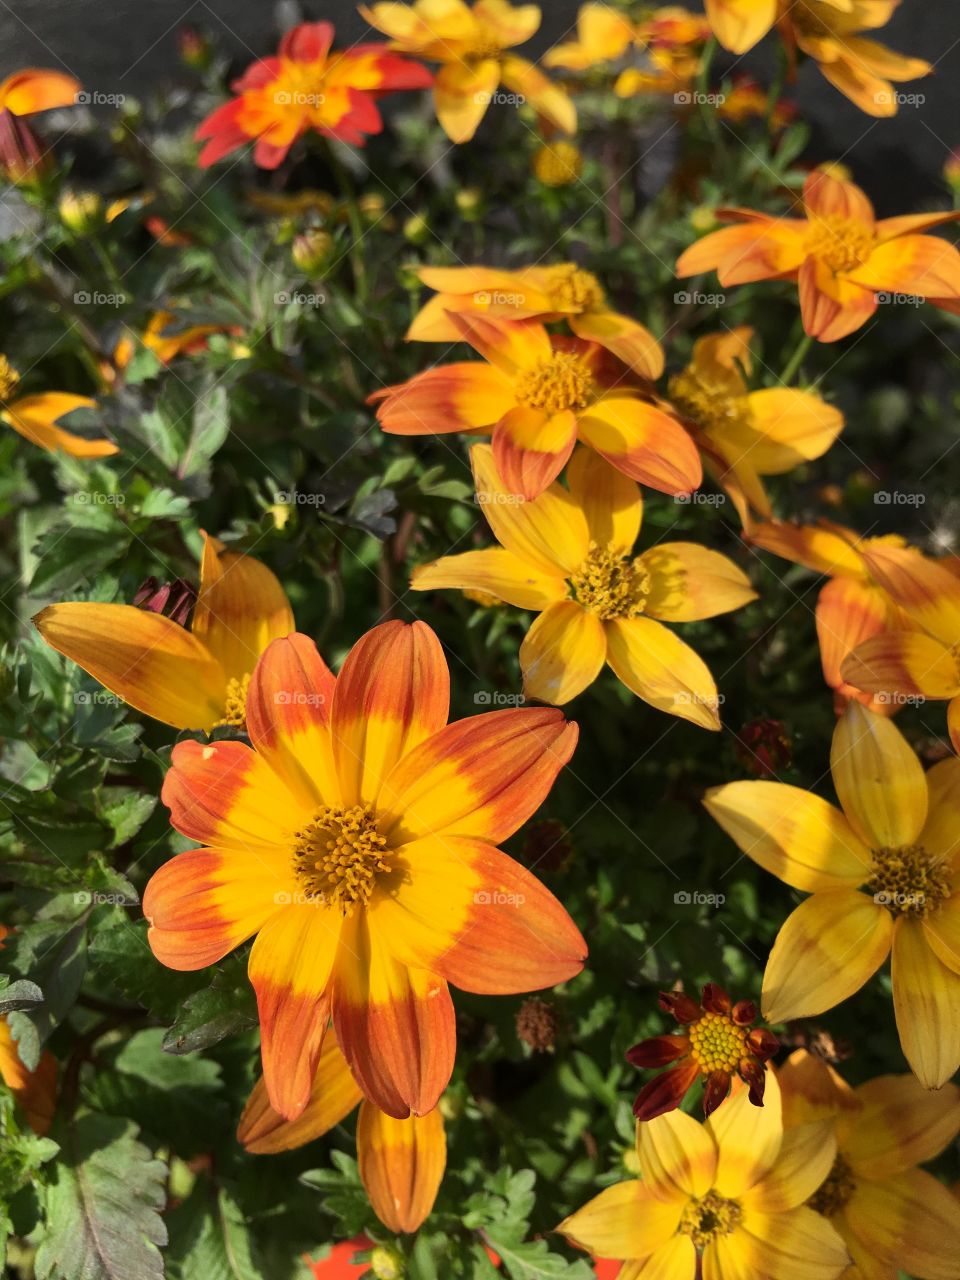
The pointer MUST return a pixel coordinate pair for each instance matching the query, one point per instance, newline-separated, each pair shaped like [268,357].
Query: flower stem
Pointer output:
[348,191]
[793,364]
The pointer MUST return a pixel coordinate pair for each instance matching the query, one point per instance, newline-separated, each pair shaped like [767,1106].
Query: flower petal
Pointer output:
[643,442]
[794,426]
[401,1164]
[907,1221]
[658,667]
[531,449]
[35,418]
[629,341]
[797,1245]
[748,1138]
[805,1158]
[756,250]
[612,503]
[461,94]
[900,1125]
[509,345]
[740,24]
[624,1221]
[690,582]
[925,588]
[562,653]
[922,266]
[832,306]
[678,1156]
[36,89]
[904,663]
[879,780]
[665,1092]
[848,613]
[550,101]
[497,572]
[452,397]
[941,833]
[926,1000]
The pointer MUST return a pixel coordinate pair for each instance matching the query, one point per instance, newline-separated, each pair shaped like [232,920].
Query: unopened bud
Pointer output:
[469,201]
[416,229]
[21,159]
[196,51]
[311,250]
[386,1263]
[80,211]
[557,164]
[174,600]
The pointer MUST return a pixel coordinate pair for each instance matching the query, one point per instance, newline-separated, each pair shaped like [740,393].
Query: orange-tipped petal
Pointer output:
[761,249]
[562,653]
[509,345]
[627,339]
[35,418]
[926,1000]
[923,266]
[452,397]
[848,613]
[825,196]
[926,589]
[35,1091]
[35,89]
[401,1165]
[689,582]
[530,448]
[825,550]
[904,663]
[658,667]
[643,442]
[146,659]
[666,1091]
[832,306]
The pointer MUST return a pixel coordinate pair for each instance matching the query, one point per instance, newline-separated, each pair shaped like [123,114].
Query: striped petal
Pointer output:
[832,306]
[826,950]
[643,442]
[907,1221]
[500,931]
[923,266]
[756,250]
[629,341]
[531,448]
[562,653]
[798,1245]
[35,418]
[678,1156]
[144,658]
[905,663]
[333,1095]
[658,667]
[624,1221]
[689,582]
[926,1000]
[791,833]
[452,397]
[879,780]
[805,1158]
[290,966]
[748,1139]
[203,903]
[900,1125]
[496,572]
[612,503]
[401,1165]
[395,1025]
[392,692]
[926,589]
[483,776]
[509,345]
[848,613]
[825,196]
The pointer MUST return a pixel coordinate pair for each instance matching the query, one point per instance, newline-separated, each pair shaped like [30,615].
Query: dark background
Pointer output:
[125,46]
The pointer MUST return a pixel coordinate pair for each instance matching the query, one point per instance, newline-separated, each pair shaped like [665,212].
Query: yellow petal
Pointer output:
[678,1156]
[798,1245]
[941,833]
[926,1000]
[804,1160]
[401,1164]
[690,582]
[910,1221]
[262,1131]
[35,418]
[675,1260]
[624,1221]
[811,1090]
[740,24]
[900,1124]
[748,1138]
[495,571]
[562,653]
[825,951]
[878,778]
[794,426]
[658,667]
[461,95]
[942,931]
[611,502]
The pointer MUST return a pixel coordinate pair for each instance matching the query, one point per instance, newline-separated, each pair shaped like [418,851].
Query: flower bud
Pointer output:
[196,51]
[21,159]
[311,250]
[416,229]
[386,1263]
[80,211]
[9,379]
[469,202]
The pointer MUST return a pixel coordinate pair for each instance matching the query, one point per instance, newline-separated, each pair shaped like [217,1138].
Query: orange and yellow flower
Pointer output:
[724,1198]
[561,292]
[538,394]
[747,100]
[35,1091]
[401,1162]
[471,44]
[307,87]
[921,662]
[603,35]
[568,554]
[883,874]
[192,677]
[892,1216]
[672,41]
[36,417]
[166,341]
[332,839]
[839,253]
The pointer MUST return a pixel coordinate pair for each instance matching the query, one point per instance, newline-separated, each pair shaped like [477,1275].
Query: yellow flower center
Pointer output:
[908,881]
[612,585]
[572,289]
[709,404]
[703,1220]
[9,379]
[717,1043]
[338,856]
[835,1190]
[557,164]
[235,703]
[842,243]
[562,381]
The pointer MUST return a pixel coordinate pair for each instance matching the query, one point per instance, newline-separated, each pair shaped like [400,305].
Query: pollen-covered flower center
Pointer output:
[703,1220]
[908,881]
[717,1043]
[563,381]
[612,585]
[338,856]
[571,289]
[235,703]
[710,405]
[842,243]
[9,379]
[835,1190]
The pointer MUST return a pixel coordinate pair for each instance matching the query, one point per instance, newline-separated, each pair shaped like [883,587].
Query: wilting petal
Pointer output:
[146,659]
[395,1025]
[401,1164]
[35,417]
[678,1156]
[333,1096]
[495,571]
[689,582]
[483,776]
[531,449]
[643,442]
[878,779]
[802,1163]
[290,967]
[926,1000]
[848,613]
[901,1124]
[611,502]
[748,1139]
[797,1245]
[908,1222]
[825,951]
[624,1221]
[461,95]
[392,692]
[791,833]
[629,341]
[658,667]
[240,609]
[665,1092]
[795,425]
[832,306]
[740,24]
[203,903]
[452,397]
[907,663]
[562,653]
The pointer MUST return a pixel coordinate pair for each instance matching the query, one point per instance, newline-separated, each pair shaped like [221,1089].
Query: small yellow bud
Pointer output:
[703,217]
[80,211]
[469,201]
[557,164]
[835,169]
[371,206]
[416,229]
[311,250]
[386,1264]
[240,351]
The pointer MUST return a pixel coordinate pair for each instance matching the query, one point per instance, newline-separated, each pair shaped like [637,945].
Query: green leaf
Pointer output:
[211,1240]
[103,1205]
[125,810]
[532,1260]
[222,1009]
[209,428]
[18,995]
[71,555]
[121,955]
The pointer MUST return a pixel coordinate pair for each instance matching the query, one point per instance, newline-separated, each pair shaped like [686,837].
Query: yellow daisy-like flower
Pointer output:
[725,1198]
[883,872]
[568,555]
[603,35]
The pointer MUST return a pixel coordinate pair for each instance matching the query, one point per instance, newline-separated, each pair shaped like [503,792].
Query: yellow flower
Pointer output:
[728,1197]
[896,837]
[568,555]
[557,164]
[36,417]
[603,35]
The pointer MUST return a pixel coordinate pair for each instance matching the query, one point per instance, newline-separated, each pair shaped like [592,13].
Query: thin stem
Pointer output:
[348,191]
[793,364]
[703,87]
[776,86]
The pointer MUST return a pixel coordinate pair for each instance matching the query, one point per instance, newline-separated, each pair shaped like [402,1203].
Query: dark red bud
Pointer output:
[684,1008]
[744,1012]
[714,999]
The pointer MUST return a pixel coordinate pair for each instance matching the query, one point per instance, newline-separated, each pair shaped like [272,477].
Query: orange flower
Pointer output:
[333,838]
[539,394]
[305,88]
[36,417]
[192,678]
[26,92]
[35,1091]
[830,32]
[747,100]
[561,292]
[838,253]
[673,40]
[401,1161]
[471,44]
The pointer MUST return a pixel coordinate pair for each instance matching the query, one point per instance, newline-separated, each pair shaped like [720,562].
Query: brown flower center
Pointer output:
[842,243]
[612,585]
[710,405]
[705,1219]
[9,379]
[908,881]
[717,1043]
[562,381]
[835,1190]
[571,289]
[235,703]
[339,855]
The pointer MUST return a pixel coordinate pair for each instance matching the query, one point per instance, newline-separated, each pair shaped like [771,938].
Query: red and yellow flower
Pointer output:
[307,87]
[167,341]
[561,292]
[748,100]
[538,394]
[839,254]
[883,874]
[920,662]
[192,677]
[718,1042]
[724,1198]
[568,555]
[401,1162]
[471,44]
[893,1216]
[332,839]
[35,418]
